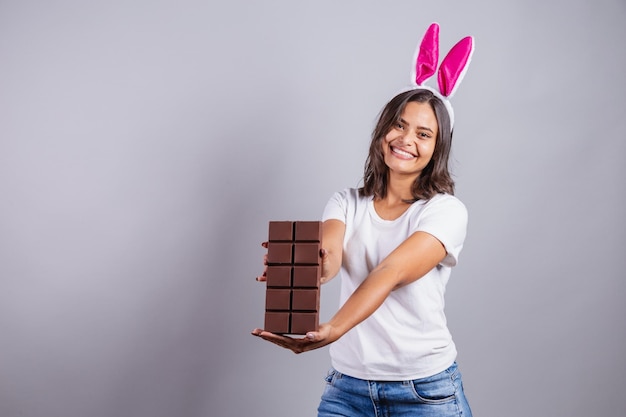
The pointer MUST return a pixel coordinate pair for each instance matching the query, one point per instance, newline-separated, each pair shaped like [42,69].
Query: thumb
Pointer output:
[313,336]
[317,336]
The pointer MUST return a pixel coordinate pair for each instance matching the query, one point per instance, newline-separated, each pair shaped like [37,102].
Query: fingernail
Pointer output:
[310,336]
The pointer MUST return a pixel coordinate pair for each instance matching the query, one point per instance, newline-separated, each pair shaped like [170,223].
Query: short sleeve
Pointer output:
[337,207]
[445,218]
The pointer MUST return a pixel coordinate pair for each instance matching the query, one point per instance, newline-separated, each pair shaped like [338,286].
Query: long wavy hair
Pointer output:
[435,177]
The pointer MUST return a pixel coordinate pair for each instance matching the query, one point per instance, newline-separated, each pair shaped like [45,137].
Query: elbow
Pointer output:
[392,277]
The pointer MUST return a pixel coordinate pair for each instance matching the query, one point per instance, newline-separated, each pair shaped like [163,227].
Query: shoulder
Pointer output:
[343,204]
[445,202]
[350,196]
[443,209]
[445,217]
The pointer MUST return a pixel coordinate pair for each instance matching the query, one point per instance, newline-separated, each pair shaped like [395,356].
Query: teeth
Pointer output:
[401,152]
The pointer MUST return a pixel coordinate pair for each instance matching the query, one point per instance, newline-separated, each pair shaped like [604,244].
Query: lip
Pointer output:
[402,153]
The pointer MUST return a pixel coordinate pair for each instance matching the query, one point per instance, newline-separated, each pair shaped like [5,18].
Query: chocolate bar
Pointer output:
[292,297]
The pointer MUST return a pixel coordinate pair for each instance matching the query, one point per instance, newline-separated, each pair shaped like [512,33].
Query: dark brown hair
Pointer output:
[435,177]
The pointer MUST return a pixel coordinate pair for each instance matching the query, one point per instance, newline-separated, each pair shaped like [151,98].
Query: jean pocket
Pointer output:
[434,391]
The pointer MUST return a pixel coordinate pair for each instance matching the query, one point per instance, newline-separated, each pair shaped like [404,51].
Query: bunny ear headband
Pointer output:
[452,68]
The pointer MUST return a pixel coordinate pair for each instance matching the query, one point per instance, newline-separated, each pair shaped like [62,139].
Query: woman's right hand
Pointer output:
[263,276]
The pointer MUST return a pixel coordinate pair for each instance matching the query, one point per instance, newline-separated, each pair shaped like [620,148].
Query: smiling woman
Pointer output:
[423,114]
[395,241]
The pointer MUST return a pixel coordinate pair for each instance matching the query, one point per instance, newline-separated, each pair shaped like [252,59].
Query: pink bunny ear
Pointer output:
[454,66]
[427,56]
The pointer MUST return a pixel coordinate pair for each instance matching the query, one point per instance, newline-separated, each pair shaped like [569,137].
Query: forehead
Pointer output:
[418,114]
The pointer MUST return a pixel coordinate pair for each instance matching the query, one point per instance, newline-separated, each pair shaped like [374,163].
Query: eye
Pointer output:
[399,126]
[424,135]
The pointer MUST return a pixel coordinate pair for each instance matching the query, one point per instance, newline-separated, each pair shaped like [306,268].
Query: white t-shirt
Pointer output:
[407,337]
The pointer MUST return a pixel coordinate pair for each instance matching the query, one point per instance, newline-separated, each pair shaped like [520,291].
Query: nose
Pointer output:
[408,136]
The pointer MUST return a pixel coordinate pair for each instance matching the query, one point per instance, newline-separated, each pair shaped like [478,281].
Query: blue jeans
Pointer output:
[440,395]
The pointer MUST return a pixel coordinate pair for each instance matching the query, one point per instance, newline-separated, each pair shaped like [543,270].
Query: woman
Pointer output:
[395,240]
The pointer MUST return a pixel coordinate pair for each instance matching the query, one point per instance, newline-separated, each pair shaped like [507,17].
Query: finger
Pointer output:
[269,335]
[263,276]
[280,340]
[286,342]
[314,337]
[264,244]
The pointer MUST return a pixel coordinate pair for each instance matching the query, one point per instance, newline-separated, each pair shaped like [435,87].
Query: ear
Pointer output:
[454,66]
[426,56]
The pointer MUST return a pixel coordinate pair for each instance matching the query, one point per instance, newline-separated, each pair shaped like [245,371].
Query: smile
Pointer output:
[401,153]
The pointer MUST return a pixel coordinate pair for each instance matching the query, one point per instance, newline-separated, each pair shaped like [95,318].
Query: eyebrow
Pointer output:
[418,127]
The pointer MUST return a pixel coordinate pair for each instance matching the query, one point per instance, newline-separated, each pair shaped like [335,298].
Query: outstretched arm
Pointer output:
[410,261]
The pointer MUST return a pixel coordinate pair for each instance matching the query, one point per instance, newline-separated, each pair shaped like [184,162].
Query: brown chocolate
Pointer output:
[281,231]
[292,296]
[278,299]
[307,299]
[306,253]
[306,276]
[279,253]
[308,231]
[302,322]
[280,276]
[278,321]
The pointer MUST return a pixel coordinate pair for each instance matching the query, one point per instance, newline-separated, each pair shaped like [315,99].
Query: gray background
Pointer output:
[144,146]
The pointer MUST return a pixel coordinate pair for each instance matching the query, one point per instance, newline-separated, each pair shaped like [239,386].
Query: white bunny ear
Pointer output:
[426,56]
[454,66]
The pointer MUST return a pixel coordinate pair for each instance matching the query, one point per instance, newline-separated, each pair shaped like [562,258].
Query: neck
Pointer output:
[394,204]
[399,188]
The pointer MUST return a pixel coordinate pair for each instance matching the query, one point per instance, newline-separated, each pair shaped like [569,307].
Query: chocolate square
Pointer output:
[279,276]
[308,231]
[306,253]
[304,322]
[306,276]
[305,299]
[281,231]
[278,299]
[279,253]
[277,322]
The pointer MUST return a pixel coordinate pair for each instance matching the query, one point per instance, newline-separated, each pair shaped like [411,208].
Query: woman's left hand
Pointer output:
[311,341]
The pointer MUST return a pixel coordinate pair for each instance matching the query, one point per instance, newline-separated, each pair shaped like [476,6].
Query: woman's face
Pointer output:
[409,145]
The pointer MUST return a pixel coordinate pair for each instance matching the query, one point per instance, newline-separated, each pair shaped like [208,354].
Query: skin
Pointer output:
[407,149]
